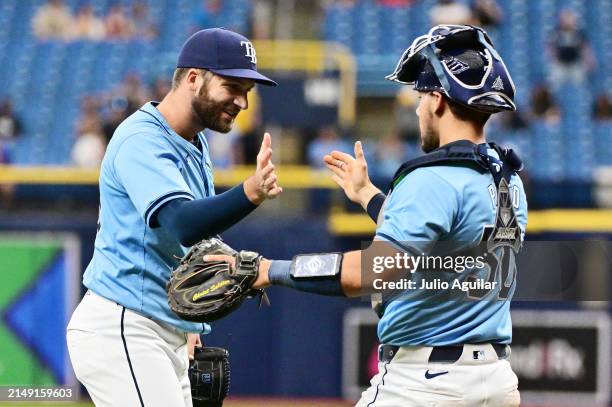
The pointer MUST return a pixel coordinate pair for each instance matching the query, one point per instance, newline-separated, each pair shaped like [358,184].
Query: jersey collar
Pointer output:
[151,108]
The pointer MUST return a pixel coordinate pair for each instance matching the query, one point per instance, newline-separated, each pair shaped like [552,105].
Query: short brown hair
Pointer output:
[180,73]
[465,114]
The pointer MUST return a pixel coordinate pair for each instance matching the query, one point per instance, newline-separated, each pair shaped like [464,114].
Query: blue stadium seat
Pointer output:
[47,80]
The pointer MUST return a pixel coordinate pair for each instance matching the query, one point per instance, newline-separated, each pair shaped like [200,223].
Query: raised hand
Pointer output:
[263,184]
[351,174]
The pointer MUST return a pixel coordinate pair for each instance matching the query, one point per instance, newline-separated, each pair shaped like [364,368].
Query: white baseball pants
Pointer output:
[477,379]
[125,359]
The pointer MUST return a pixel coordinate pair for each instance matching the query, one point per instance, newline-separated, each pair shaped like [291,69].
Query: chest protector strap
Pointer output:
[465,153]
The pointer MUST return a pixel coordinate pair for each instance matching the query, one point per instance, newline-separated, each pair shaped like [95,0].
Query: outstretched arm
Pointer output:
[352,279]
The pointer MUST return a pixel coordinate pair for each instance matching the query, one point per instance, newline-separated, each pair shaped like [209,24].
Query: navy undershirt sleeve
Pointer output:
[193,220]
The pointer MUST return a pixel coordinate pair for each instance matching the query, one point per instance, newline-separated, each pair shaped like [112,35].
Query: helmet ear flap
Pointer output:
[492,103]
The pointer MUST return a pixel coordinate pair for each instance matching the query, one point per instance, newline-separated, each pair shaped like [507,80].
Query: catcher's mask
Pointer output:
[460,62]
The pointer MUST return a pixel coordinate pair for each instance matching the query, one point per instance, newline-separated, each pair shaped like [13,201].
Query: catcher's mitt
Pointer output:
[202,291]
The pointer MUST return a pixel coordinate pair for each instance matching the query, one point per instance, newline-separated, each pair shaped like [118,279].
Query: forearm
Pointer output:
[192,221]
[348,283]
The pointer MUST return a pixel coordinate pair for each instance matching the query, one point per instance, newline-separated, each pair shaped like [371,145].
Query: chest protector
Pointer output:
[506,230]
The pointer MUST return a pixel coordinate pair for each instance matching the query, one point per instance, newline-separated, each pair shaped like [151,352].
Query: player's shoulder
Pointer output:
[137,132]
[423,187]
[139,124]
[436,176]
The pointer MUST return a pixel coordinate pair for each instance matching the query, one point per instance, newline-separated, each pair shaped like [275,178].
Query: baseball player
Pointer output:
[157,198]
[463,192]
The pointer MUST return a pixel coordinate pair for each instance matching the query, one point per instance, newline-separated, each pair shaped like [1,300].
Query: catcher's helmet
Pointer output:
[459,61]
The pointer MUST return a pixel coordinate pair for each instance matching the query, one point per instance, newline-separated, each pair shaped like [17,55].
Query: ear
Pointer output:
[438,103]
[193,79]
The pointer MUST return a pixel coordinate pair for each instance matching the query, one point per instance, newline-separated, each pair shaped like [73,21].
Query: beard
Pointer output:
[430,139]
[430,142]
[209,113]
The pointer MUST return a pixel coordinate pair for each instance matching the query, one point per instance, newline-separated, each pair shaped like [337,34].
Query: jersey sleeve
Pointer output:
[419,211]
[150,171]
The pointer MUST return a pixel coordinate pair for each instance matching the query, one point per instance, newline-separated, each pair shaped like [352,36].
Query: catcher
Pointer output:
[464,191]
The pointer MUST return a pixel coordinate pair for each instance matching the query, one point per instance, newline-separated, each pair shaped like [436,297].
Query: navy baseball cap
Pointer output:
[222,52]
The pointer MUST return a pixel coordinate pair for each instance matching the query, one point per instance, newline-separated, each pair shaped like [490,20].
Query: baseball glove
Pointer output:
[202,291]
[209,376]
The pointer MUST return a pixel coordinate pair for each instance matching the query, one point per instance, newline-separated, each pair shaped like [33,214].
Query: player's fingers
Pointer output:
[266,143]
[193,340]
[219,257]
[263,157]
[267,170]
[344,157]
[267,140]
[336,170]
[338,181]
[328,159]
[270,181]
[359,151]
[274,192]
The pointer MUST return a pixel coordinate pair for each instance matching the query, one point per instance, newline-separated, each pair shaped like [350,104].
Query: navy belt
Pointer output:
[439,354]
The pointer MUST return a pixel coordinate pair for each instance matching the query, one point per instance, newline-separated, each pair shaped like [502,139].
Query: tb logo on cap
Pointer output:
[250,51]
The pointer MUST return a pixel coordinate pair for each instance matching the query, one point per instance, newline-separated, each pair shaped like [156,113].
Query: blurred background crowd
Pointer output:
[78,68]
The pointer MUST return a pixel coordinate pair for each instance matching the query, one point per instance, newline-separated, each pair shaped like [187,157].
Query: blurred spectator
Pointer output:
[144,27]
[450,12]
[208,15]
[53,21]
[602,108]
[224,148]
[406,119]
[114,117]
[7,191]
[124,100]
[345,3]
[487,13]
[10,126]
[391,153]
[512,120]
[326,141]
[132,92]
[249,125]
[572,54]
[10,129]
[90,120]
[395,3]
[160,88]
[87,25]
[118,25]
[88,149]
[263,19]
[543,105]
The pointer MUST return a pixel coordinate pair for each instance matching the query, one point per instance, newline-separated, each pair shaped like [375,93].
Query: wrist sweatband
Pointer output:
[280,273]
[375,205]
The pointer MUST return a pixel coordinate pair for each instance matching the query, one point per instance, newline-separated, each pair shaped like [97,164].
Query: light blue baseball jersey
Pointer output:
[436,204]
[146,165]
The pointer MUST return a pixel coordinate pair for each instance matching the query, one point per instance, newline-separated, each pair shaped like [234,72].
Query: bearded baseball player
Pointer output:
[157,198]
[464,191]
